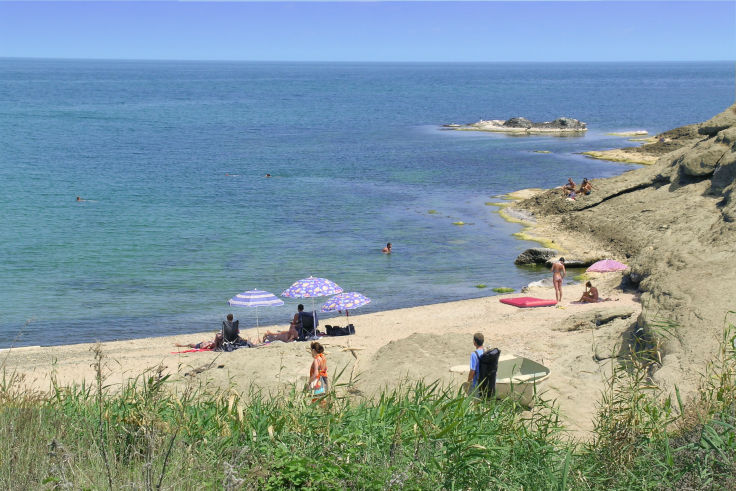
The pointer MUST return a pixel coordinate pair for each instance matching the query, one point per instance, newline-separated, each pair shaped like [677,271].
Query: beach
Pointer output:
[390,347]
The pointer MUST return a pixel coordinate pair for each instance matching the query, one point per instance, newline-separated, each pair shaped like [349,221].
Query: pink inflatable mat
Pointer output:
[528,302]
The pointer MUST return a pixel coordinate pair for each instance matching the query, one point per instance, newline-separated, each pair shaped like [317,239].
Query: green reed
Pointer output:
[154,434]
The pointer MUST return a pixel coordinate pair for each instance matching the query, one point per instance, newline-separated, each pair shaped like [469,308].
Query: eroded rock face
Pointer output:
[702,159]
[568,123]
[676,221]
[720,122]
[535,255]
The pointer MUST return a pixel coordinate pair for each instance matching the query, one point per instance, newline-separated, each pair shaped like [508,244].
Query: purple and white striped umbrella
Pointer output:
[312,287]
[256,298]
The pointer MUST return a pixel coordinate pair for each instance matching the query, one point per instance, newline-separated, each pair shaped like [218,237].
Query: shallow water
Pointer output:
[358,158]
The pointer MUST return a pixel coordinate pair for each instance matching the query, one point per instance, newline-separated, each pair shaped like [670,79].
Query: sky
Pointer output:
[420,31]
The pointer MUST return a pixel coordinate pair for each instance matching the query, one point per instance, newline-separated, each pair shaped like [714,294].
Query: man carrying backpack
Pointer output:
[483,368]
[478,340]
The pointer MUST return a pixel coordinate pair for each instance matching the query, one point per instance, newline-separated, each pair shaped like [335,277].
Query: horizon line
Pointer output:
[74,58]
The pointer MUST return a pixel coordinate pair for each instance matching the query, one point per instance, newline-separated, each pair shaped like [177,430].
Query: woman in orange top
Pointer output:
[318,369]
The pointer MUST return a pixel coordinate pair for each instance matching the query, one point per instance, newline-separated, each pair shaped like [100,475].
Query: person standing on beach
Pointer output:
[558,273]
[318,371]
[478,341]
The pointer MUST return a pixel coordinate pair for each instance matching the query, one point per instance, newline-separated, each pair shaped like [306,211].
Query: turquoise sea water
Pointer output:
[357,156]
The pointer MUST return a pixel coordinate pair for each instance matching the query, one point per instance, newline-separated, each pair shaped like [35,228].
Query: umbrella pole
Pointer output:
[258,332]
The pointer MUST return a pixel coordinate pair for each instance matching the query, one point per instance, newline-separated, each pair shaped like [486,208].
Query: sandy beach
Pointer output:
[390,347]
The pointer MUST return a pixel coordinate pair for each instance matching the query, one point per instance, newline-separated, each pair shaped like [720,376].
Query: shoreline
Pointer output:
[389,347]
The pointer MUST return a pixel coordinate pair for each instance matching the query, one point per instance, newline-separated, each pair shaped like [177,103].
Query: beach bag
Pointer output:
[340,331]
[487,368]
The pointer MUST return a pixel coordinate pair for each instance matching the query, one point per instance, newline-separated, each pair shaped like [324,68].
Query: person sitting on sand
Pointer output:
[231,329]
[570,186]
[286,336]
[590,295]
[387,249]
[209,345]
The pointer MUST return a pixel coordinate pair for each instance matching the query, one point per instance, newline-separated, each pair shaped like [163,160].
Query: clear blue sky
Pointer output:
[371,31]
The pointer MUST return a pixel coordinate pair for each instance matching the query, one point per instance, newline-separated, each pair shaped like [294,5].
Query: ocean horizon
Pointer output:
[171,158]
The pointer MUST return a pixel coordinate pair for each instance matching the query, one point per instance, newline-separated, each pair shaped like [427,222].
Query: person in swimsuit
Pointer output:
[570,186]
[590,295]
[286,336]
[210,345]
[318,371]
[387,249]
[585,187]
[558,273]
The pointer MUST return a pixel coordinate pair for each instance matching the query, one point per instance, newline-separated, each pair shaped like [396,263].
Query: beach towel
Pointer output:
[528,302]
[192,350]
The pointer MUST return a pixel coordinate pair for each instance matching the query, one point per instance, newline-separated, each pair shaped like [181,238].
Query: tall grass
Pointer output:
[149,434]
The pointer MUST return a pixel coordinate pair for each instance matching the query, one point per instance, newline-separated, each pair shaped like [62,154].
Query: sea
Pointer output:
[170,158]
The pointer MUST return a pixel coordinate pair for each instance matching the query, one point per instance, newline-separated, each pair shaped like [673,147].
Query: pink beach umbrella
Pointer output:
[605,266]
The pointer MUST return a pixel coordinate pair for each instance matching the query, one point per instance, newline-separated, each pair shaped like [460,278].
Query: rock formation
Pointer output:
[521,125]
[674,223]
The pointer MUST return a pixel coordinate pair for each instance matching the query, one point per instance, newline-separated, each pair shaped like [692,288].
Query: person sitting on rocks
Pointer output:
[570,186]
[585,187]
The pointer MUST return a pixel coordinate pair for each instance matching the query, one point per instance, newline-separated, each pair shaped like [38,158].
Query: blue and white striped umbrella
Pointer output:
[312,287]
[256,298]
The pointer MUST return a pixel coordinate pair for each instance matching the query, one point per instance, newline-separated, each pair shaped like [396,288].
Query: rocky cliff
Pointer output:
[674,223]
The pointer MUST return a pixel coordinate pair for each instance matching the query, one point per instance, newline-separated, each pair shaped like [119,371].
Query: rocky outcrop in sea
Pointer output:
[519,125]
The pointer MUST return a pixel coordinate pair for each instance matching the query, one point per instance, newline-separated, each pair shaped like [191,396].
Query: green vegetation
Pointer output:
[581,277]
[432,212]
[150,434]
[481,285]
[503,289]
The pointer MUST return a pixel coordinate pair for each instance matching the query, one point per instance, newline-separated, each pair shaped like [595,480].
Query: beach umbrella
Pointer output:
[345,301]
[256,298]
[312,287]
[606,266]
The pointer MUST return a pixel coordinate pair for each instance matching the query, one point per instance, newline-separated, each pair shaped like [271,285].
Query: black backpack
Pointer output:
[487,368]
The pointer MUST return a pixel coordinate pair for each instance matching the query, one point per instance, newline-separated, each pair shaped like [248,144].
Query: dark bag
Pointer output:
[487,368]
[340,331]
